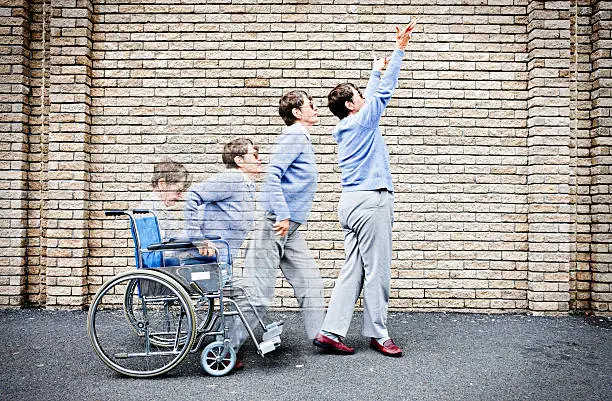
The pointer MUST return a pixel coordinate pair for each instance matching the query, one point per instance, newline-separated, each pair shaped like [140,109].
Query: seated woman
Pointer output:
[168,183]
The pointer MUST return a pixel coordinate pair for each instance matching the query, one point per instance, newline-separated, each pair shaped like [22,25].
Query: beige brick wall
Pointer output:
[40,15]
[68,192]
[550,209]
[601,176]
[491,135]
[580,145]
[14,112]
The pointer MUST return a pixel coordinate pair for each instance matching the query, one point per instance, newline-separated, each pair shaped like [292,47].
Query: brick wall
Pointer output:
[40,15]
[14,112]
[580,145]
[497,136]
[601,175]
[68,165]
[550,210]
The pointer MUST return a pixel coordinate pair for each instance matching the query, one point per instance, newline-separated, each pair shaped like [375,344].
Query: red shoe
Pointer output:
[328,344]
[388,348]
[239,365]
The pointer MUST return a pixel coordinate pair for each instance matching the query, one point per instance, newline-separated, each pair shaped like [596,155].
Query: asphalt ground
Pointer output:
[46,355]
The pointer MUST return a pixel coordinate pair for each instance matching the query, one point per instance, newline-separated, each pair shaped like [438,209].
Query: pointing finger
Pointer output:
[412,23]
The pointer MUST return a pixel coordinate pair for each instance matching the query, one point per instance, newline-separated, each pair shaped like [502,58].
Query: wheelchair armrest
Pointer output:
[192,239]
[216,239]
[199,238]
[170,245]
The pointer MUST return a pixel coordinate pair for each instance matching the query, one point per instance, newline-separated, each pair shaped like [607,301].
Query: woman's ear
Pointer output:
[295,112]
[161,184]
[239,160]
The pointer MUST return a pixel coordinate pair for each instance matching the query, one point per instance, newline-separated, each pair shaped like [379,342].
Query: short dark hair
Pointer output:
[237,147]
[290,101]
[171,172]
[341,94]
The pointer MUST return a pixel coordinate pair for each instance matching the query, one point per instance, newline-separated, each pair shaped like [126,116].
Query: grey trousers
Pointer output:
[367,221]
[266,252]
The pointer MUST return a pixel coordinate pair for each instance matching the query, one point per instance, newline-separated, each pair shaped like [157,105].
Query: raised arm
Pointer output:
[377,68]
[378,98]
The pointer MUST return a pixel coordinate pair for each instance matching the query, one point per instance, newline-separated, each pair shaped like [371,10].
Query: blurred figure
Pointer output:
[289,190]
[169,181]
[224,205]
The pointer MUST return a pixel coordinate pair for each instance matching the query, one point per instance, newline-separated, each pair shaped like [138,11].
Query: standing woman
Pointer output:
[366,207]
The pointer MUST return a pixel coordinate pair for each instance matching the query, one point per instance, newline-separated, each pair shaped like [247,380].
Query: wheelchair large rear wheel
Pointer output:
[203,307]
[159,331]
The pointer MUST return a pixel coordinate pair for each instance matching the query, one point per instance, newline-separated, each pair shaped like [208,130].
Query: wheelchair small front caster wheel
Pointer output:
[216,364]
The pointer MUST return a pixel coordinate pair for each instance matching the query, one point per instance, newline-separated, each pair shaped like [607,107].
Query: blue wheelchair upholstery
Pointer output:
[148,233]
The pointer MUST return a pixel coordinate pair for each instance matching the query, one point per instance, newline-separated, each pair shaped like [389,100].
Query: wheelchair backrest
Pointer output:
[145,231]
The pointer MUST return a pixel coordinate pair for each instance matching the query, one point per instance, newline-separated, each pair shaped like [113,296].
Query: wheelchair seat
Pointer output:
[153,252]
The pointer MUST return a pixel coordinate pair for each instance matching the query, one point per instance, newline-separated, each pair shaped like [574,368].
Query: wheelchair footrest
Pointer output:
[272,330]
[269,345]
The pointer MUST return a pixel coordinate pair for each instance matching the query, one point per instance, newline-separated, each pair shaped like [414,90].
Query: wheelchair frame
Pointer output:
[144,322]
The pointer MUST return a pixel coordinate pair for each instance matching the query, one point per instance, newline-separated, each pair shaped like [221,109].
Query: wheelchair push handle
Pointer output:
[114,212]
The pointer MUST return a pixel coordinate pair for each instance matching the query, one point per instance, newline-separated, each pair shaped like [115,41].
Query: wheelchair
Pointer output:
[144,322]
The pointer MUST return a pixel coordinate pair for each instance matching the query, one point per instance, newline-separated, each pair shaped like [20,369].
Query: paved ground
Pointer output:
[46,355]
